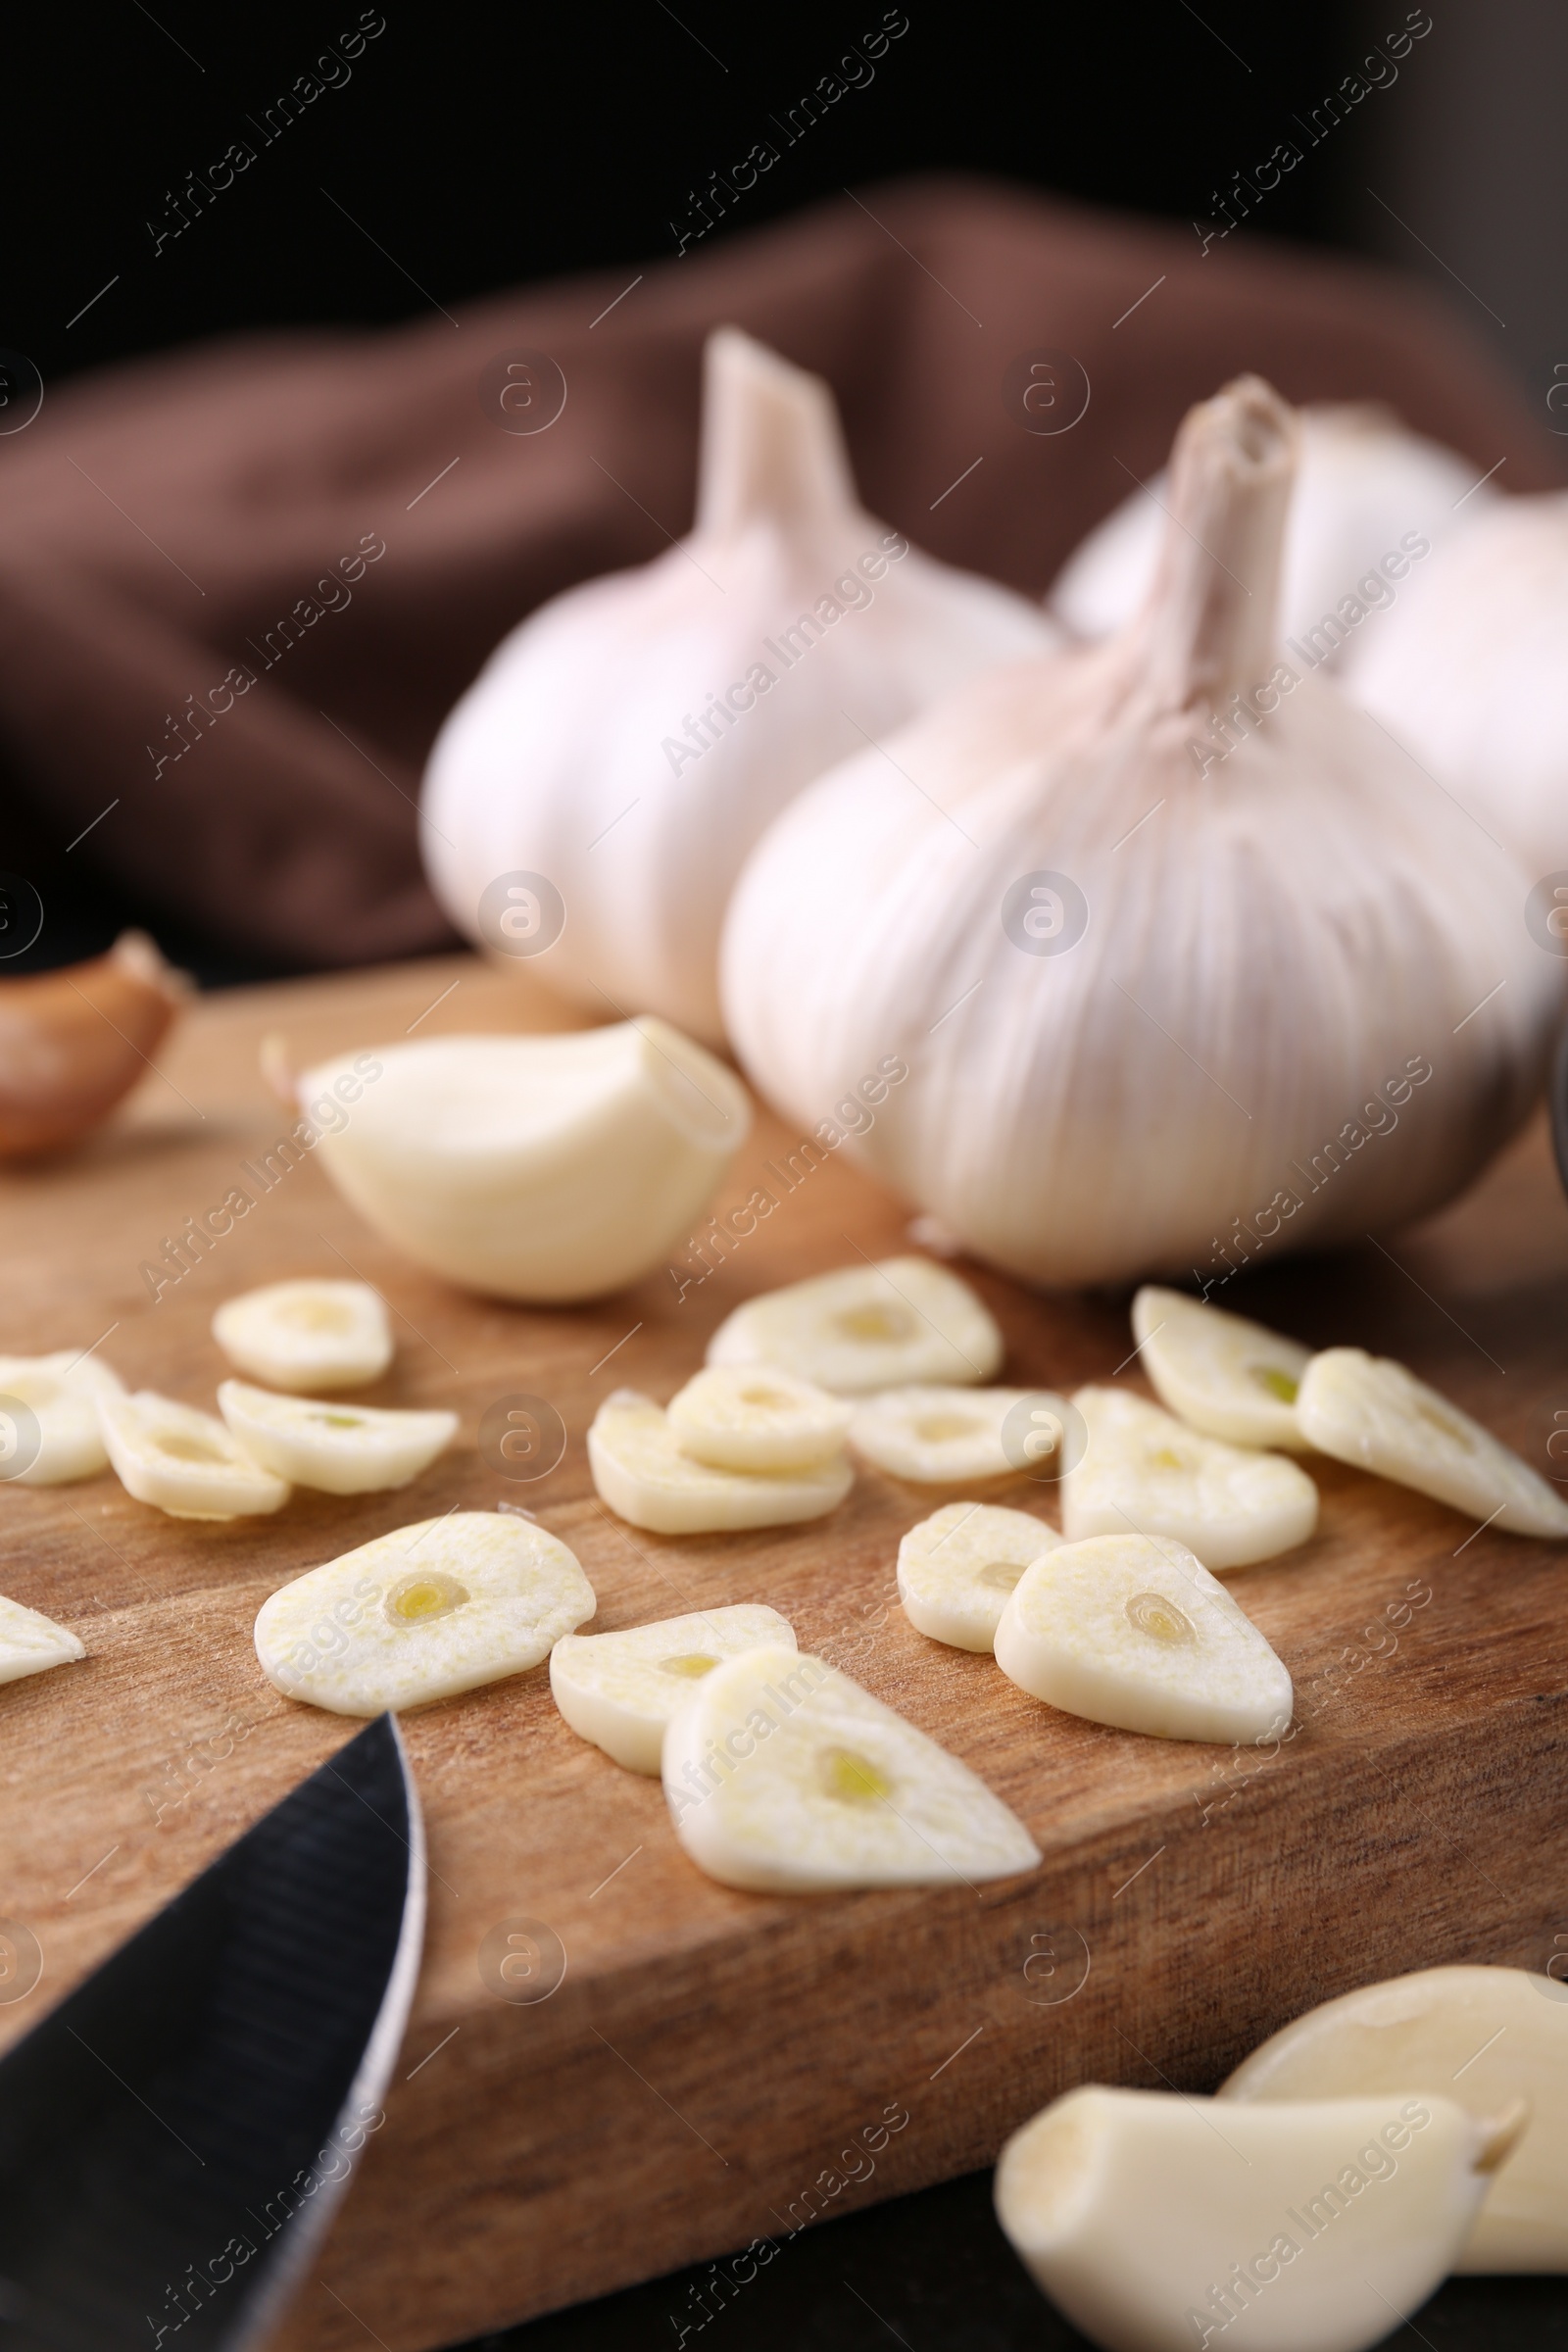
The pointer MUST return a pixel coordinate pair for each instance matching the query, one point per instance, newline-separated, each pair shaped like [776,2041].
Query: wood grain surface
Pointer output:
[715,2067]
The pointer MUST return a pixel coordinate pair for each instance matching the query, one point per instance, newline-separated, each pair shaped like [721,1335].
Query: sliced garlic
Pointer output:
[640,1471]
[1156,2221]
[736,1418]
[60,1392]
[305,1335]
[31,1643]
[785,1776]
[1229,1378]
[1368,1410]
[620,1690]
[423,1613]
[1144,1470]
[937,1436]
[1127,1631]
[867,1327]
[340,1448]
[1485,2037]
[182,1461]
[958,1568]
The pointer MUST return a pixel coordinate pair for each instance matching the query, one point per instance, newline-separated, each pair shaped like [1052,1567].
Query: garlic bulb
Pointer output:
[1187,958]
[73,1042]
[632,737]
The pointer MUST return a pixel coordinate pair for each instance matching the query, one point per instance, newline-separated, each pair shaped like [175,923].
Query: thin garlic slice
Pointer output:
[867,1327]
[640,1471]
[62,1441]
[1229,1378]
[341,1448]
[938,1437]
[305,1335]
[620,1690]
[1487,2036]
[785,1776]
[423,1613]
[1134,1633]
[31,1643]
[735,1418]
[1368,1410]
[958,1568]
[182,1461]
[1144,1471]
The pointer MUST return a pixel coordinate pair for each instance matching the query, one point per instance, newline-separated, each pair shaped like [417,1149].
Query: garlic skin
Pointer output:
[73,1042]
[593,749]
[1272,962]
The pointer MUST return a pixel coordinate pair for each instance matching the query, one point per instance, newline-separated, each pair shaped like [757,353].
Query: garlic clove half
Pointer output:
[1134,1633]
[338,1449]
[640,1471]
[620,1690]
[30,1643]
[546,1169]
[73,1043]
[306,1336]
[1144,1470]
[783,1776]
[939,1437]
[734,1418]
[958,1569]
[182,1461]
[55,1438]
[867,1327]
[1219,1373]
[422,1614]
[1370,1411]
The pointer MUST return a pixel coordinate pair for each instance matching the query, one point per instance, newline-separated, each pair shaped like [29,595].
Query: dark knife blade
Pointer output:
[173,2135]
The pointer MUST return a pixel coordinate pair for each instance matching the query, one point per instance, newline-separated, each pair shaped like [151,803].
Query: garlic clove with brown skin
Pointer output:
[73,1042]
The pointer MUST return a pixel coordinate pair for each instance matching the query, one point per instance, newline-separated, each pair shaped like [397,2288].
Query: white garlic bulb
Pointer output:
[1185,956]
[631,740]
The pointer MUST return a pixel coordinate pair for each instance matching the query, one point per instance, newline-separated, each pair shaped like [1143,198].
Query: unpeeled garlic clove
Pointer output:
[56,1438]
[761,1421]
[338,1449]
[73,1042]
[182,1461]
[1142,1469]
[620,1690]
[1228,1377]
[867,1327]
[306,1336]
[958,1569]
[939,1437]
[30,1643]
[641,1471]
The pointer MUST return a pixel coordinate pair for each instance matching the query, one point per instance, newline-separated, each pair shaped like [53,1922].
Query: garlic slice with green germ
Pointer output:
[958,1568]
[1221,1374]
[640,1471]
[620,1690]
[423,1613]
[31,1643]
[182,1461]
[767,1420]
[340,1448]
[56,1437]
[1370,1411]
[1143,1470]
[785,1776]
[306,1336]
[867,1327]
[938,1437]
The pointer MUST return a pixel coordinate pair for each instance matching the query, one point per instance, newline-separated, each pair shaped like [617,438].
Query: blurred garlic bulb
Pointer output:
[1183,953]
[631,740]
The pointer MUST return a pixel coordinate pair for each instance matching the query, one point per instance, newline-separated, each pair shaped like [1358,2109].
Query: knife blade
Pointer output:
[173,2135]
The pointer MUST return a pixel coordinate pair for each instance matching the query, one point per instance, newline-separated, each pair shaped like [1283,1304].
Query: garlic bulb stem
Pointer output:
[771,444]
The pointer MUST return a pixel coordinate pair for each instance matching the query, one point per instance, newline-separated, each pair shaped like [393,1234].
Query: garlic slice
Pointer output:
[785,1776]
[1145,1470]
[423,1613]
[182,1461]
[60,1392]
[1156,2221]
[958,1568]
[339,1448]
[306,1336]
[1126,1631]
[31,1643]
[937,1436]
[735,1418]
[640,1471]
[867,1327]
[620,1690]
[1228,1377]
[1369,1410]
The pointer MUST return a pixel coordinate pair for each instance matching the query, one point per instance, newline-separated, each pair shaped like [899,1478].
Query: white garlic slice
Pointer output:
[306,1336]
[1369,1410]
[1158,2222]
[640,1471]
[938,1437]
[958,1569]
[785,1776]
[867,1327]
[736,1418]
[1142,1469]
[339,1448]
[1228,1377]
[31,1643]
[1127,1631]
[182,1461]
[620,1690]
[422,1614]
[61,1393]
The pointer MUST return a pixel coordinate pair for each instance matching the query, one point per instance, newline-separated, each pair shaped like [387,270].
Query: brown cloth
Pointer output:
[160,522]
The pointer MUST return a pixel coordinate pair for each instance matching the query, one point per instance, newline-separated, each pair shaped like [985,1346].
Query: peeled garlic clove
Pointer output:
[640,1471]
[938,1437]
[620,1690]
[1157,2222]
[1370,1411]
[543,1168]
[31,1643]
[1489,2038]
[338,1449]
[738,1419]
[306,1336]
[423,1613]
[785,1776]
[73,1042]
[1127,1631]
[1221,1374]
[958,1569]
[61,1440]
[1144,1470]
[867,1327]
[182,1461]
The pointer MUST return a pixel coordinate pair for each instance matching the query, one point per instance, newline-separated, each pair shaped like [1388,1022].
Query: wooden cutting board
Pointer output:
[715,2068]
